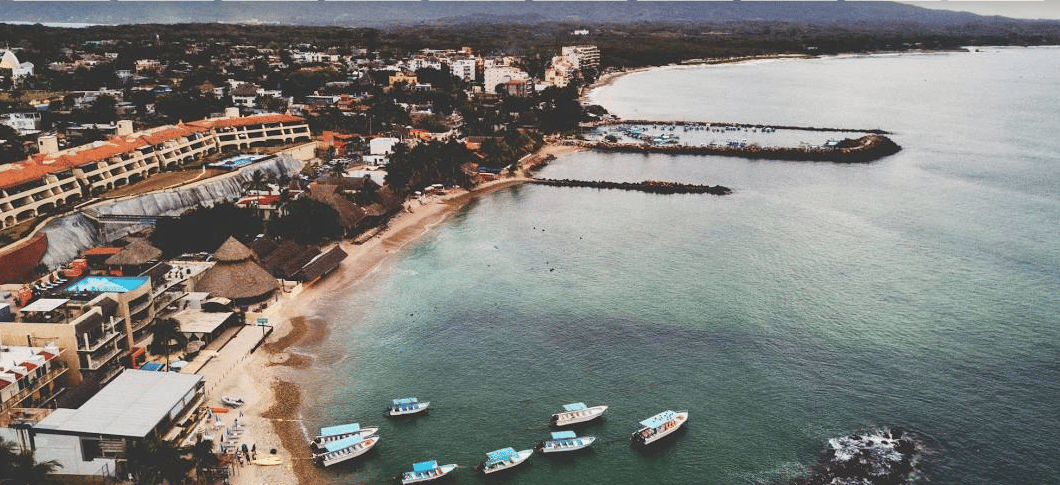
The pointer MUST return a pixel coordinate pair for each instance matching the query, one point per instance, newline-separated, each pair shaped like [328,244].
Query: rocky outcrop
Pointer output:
[649,186]
[861,150]
[882,457]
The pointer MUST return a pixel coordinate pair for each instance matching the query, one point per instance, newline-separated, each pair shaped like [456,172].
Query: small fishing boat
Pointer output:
[233,401]
[577,413]
[426,471]
[659,426]
[344,449]
[566,441]
[504,459]
[411,405]
[335,433]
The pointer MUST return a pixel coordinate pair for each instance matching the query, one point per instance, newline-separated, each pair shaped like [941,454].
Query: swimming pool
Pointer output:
[107,284]
[237,161]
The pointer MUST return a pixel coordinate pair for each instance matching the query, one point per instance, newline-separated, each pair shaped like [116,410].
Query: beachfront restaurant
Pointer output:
[138,405]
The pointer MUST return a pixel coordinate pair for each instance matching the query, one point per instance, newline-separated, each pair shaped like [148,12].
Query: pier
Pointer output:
[649,186]
[861,150]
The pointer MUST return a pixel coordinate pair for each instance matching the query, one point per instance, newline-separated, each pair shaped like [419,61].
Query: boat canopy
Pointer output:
[659,419]
[408,400]
[424,466]
[578,406]
[340,429]
[343,443]
[501,454]
[562,435]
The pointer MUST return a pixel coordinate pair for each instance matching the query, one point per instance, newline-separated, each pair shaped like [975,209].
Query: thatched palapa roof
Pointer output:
[237,276]
[137,253]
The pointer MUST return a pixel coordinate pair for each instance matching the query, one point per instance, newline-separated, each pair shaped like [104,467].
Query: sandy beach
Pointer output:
[271,416]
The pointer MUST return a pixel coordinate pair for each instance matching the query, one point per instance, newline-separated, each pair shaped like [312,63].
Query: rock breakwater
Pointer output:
[861,150]
[649,186]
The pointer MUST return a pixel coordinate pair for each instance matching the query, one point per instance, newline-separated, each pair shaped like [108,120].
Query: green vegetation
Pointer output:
[307,221]
[164,334]
[428,163]
[21,468]
[204,229]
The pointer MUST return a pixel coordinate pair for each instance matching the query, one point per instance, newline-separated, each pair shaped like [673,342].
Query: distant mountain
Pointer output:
[375,13]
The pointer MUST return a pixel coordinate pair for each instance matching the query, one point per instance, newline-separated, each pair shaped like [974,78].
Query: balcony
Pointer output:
[95,345]
[57,369]
[96,362]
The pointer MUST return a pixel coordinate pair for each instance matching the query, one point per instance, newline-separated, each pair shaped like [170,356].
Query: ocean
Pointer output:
[818,300]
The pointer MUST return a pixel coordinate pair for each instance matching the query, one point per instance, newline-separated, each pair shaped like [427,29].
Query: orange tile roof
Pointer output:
[102,251]
[38,166]
[246,120]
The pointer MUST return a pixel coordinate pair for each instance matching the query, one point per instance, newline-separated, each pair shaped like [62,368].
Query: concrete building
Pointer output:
[92,439]
[464,69]
[379,149]
[502,75]
[583,56]
[23,123]
[56,179]
[28,375]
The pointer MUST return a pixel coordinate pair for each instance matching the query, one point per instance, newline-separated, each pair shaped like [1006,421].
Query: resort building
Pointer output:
[502,75]
[464,69]
[28,375]
[23,123]
[92,440]
[54,179]
[582,56]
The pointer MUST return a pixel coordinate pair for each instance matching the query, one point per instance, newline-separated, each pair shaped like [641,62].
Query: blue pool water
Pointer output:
[237,162]
[107,284]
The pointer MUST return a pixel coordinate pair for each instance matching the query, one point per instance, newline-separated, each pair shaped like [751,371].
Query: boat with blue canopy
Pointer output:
[409,405]
[426,471]
[504,459]
[659,426]
[566,441]
[577,413]
[344,449]
[334,433]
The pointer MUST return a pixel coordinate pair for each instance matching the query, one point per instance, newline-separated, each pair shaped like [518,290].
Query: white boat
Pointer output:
[658,426]
[344,449]
[411,405]
[566,441]
[233,401]
[335,433]
[426,471]
[504,459]
[577,413]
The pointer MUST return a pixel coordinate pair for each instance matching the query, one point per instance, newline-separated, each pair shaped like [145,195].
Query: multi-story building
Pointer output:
[502,75]
[28,375]
[583,56]
[55,179]
[463,69]
[23,123]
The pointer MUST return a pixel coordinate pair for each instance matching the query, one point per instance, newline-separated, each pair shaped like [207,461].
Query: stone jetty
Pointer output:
[861,150]
[649,186]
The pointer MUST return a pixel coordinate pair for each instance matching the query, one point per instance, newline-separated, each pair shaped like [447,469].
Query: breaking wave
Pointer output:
[879,457]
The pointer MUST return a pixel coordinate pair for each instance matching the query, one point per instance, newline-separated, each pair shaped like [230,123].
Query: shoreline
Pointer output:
[266,379]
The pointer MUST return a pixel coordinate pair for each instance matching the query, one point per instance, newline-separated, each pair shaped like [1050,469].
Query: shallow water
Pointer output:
[818,300]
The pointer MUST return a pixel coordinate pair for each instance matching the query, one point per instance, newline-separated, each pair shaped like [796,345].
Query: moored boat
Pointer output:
[410,405]
[659,426]
[566,441]
[504,459]
[577,413]
[344,449]
[335,433]
[426,471]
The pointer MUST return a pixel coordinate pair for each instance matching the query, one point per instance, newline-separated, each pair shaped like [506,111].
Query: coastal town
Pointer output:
[162,214]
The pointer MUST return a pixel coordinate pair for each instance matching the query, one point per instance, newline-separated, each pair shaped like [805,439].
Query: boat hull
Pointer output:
[567,418]
[443,471]
[660,433]
[508,465]
[418,409]
[339,456]
[320,441]
[585,441]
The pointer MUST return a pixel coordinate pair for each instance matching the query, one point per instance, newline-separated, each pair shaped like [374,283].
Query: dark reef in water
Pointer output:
[881,457]
[861,150]
[649,186]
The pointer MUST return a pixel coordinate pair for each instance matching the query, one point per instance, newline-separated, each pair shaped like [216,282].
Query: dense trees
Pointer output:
[204,229]
[164,334]
[428,163]
[307,221]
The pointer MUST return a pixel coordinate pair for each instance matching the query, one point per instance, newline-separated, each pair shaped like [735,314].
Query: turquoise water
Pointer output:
[818,300]
[119,284]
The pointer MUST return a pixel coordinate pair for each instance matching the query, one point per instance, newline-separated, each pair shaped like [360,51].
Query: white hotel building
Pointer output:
[55,179]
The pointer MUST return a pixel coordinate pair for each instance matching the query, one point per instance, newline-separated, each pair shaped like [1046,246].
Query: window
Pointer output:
[90,449]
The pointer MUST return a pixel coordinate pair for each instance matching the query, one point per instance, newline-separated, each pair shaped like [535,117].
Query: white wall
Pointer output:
[67,451]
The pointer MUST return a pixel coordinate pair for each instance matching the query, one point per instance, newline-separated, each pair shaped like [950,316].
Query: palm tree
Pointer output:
[257,181]
[202,456]
[164,333]
[23,468]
